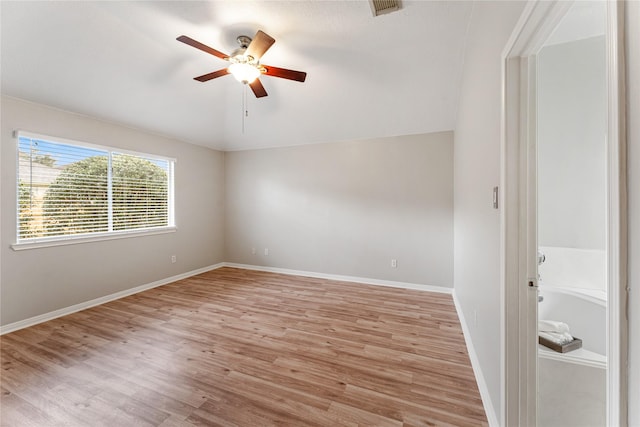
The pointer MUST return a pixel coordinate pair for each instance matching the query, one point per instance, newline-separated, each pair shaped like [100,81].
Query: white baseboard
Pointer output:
[354,279]
[489,409]
[11,327]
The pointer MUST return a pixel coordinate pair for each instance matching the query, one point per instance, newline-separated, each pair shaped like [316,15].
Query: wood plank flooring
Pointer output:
[236,347]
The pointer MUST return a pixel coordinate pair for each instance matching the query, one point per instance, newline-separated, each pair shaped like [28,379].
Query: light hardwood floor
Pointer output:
[235,347]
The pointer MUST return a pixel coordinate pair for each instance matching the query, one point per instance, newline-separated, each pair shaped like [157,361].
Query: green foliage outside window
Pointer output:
[25,214]
[78,200]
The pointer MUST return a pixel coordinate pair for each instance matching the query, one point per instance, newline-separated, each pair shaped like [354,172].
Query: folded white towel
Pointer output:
[560,338]
[552,326]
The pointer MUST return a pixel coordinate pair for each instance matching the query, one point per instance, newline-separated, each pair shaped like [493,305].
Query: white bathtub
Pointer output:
[572,283]
[584,310]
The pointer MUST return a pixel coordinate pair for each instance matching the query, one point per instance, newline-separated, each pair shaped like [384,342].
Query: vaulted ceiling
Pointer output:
[119,61]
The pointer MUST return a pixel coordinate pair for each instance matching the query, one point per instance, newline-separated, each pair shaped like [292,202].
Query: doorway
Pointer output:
[525,140]
[571,125]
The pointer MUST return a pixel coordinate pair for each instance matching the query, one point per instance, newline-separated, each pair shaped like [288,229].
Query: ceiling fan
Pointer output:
[245,62]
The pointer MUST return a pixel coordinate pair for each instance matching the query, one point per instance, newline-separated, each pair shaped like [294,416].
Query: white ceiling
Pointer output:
[119,61]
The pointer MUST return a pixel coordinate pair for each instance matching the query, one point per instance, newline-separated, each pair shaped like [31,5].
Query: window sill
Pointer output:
[89,239]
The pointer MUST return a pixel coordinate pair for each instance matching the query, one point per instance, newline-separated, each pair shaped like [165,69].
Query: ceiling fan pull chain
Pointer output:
[246,102]
[244,105]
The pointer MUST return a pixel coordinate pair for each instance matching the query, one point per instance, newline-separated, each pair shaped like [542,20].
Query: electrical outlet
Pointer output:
[266,251]
[394,263]
[253,251]
[173,259]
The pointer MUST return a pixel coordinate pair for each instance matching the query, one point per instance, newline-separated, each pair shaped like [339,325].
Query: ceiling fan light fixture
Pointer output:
[244,72]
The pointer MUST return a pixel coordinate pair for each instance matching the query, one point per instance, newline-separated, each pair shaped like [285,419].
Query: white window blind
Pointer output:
[68,189]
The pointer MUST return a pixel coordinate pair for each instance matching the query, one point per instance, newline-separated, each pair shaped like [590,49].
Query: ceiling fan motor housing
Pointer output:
[244,41]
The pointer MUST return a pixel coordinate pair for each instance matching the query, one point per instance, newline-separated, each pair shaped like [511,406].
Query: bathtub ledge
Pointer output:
[579,357]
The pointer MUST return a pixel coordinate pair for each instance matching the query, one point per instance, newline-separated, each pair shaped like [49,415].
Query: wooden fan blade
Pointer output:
[202,47]
[257,88]
[283,73]
[211,76]
[260,44]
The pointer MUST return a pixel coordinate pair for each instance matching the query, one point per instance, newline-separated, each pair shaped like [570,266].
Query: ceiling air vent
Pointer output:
[380,7]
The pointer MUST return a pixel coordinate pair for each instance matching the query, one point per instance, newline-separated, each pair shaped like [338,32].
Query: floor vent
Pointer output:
[380,7]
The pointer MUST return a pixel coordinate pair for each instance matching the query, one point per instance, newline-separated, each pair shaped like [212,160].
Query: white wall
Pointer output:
[572,150]
[633,123]
[572,158]
[346,208]
[38,281]
[476,172]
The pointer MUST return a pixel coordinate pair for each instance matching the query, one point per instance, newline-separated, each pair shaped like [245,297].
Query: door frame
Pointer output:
[518,216]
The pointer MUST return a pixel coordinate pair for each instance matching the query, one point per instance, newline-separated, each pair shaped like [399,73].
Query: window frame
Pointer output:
[69,239]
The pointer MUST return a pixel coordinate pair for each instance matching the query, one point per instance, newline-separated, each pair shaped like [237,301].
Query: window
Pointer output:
[68,189]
